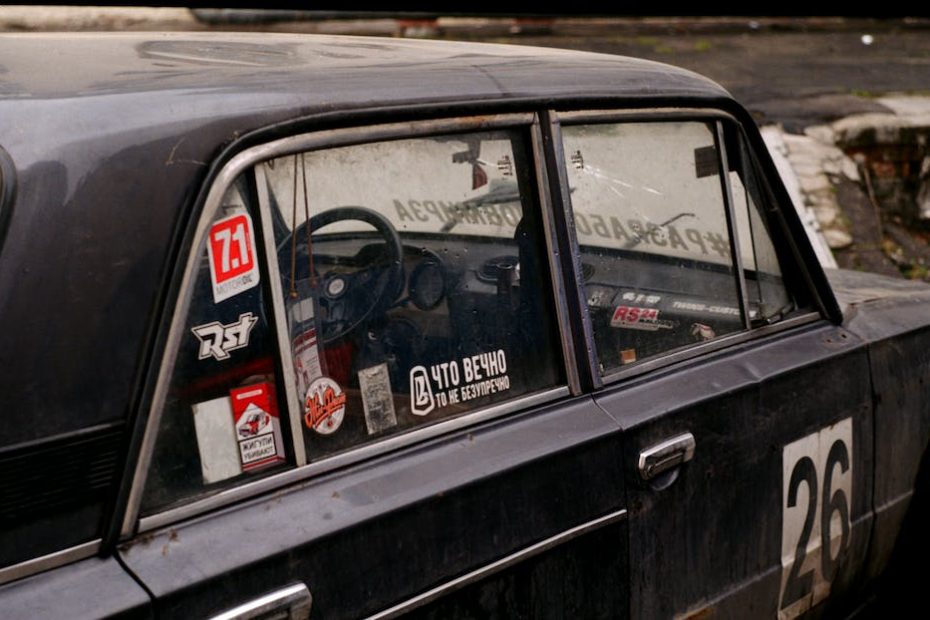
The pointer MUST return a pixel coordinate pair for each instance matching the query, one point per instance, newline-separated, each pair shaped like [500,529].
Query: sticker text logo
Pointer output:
[457,381]
[325,406]
[217,340]
[232,257]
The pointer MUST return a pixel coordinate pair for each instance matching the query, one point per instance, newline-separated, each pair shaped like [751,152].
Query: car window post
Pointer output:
[277,303]
[557,272]
[570,255]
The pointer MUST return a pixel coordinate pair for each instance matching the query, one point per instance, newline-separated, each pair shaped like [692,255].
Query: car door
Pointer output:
[368,403]
[746,416]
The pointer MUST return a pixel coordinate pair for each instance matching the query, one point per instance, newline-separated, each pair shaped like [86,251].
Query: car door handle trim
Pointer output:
[665,456]
[497,566]
[294,599]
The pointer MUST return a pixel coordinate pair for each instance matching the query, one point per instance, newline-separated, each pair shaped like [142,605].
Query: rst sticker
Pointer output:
[217,340]
[457,381]
[816,500]
[231,249]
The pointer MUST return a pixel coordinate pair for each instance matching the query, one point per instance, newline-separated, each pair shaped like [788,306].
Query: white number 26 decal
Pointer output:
[816,500]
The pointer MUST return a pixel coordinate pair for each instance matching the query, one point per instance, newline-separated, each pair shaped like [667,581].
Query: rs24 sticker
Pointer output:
[816,502]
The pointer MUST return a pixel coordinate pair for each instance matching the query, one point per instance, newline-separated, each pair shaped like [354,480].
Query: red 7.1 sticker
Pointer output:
[231,247]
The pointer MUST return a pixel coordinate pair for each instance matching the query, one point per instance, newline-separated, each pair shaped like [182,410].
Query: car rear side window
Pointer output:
[223,420]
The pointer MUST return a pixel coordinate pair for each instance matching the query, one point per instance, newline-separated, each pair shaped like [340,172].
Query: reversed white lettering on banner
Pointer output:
[701,307]
[458,381]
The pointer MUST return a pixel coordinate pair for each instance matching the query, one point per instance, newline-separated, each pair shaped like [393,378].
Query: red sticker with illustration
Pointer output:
[231,247]
[257,424]
[325,406]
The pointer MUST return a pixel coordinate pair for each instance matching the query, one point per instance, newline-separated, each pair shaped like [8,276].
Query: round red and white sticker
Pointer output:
[325,406]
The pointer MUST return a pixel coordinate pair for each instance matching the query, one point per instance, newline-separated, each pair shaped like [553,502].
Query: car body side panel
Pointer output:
[92,588]
[578,579]
[711,542]
[892,315]
[370,537]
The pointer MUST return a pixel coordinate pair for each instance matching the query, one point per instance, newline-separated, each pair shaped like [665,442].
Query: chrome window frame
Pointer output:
[714,118]
[245,163]
[50,560]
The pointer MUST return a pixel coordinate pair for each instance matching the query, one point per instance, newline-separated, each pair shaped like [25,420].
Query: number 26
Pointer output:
[821,465]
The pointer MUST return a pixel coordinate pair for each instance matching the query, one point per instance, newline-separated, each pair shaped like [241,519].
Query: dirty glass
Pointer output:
[415,283]
[650,217]
[766,293]
[223,421]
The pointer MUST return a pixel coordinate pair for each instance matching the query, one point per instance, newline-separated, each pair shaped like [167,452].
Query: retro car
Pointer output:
[537,333]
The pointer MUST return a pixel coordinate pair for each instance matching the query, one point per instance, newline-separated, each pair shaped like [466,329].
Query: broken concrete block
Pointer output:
[837,239]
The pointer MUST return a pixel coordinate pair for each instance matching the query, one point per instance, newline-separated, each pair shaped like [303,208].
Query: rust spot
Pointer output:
[145,540]
[336,495]
[172,536]
[164,551]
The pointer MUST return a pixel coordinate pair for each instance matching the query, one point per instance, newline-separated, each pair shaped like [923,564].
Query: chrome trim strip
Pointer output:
[233,168]
[295,599]
[723,342]
[51,560]
[277,300]
[353,456]
[211,204]
[373,133]
[555,270]
[497,566]
[599,116]
[736,253]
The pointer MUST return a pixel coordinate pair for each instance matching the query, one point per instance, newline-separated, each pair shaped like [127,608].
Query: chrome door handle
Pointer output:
[665,456]
[291,603]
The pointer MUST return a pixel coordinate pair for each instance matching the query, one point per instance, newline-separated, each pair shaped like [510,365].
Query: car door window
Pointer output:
[415,283]
[650,217]
[413,289]
[650,210]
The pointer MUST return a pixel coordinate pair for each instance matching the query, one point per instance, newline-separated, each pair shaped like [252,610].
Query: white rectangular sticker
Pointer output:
[233,264]
[377,399]
[216,440]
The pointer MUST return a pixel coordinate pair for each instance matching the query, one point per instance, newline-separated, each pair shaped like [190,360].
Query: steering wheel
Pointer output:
[348,300]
